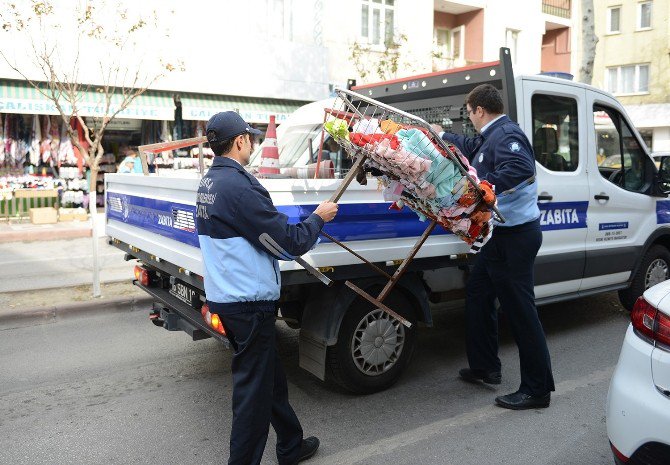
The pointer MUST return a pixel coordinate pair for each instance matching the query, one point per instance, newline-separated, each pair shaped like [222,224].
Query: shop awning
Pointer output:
[21,97]
[651,115]
[200,107]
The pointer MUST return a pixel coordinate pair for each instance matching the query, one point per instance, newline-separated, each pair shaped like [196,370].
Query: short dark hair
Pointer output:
[487,97]
[225,146]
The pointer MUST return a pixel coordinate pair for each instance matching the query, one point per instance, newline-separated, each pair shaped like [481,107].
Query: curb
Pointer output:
[17,318]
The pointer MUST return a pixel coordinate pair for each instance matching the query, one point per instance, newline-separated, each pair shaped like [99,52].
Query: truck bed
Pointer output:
[157,215]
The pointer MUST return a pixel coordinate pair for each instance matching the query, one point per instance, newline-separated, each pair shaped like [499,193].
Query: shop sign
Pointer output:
[43,107]
[250,116]
[118,124]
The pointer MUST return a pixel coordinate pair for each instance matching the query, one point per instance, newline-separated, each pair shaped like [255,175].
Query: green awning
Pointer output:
[200,107]
[21,97]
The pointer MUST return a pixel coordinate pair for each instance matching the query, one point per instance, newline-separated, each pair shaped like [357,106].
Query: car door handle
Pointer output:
[545,197]
[601,197]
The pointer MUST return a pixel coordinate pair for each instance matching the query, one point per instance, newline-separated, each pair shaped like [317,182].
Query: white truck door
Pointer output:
[620,215]
[553,119]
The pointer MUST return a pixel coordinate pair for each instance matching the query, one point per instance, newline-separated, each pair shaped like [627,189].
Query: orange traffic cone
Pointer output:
[270,152]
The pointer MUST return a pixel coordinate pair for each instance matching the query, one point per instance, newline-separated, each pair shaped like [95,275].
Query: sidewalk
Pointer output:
[20,309]
[25,231]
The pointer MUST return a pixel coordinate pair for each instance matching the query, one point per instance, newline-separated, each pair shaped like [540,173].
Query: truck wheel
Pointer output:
[373,348]
[654,268]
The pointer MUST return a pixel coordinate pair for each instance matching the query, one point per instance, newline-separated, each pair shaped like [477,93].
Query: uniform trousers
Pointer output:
[260,391]
[504,269]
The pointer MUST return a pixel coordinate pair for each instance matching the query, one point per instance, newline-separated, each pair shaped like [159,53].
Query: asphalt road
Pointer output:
[96,389]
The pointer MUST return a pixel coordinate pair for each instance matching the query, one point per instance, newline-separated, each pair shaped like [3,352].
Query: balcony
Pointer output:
[561,8]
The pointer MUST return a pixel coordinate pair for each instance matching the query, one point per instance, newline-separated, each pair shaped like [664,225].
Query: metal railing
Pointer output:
[560,8]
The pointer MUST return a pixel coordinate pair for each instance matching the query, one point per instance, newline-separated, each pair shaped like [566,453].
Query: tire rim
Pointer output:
[657,272]
[377,343]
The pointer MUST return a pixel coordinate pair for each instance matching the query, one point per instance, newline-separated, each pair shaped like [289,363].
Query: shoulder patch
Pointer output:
[514,146]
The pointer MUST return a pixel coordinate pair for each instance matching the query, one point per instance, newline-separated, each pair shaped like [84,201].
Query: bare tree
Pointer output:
[382,61]
[589,41]
[120,78]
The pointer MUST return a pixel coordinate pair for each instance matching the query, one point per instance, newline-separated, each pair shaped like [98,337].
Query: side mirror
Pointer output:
[664,175]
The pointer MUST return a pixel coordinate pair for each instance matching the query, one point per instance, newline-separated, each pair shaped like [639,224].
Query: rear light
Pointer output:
[142,275]
[622,458]
[212,320]
[650,323]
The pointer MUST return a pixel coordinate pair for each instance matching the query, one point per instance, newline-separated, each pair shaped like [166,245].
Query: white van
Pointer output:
[605,226]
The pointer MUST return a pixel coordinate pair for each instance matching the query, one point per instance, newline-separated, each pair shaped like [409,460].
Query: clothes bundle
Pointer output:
[419,173]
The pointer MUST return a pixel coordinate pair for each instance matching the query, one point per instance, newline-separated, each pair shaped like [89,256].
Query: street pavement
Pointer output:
[26,266]
[115,389]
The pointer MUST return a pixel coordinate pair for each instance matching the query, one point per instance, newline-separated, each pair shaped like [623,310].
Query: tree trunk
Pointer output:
[589,41]
[92,208]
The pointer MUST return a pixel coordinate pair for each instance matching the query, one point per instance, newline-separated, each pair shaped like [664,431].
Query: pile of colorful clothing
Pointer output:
[419,173]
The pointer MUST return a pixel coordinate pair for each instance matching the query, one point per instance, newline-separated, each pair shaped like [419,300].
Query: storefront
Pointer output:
[37,154]
[198,108]
[653,122]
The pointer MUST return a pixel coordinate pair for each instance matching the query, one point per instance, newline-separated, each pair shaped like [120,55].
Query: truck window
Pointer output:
[555,132]
[620,156]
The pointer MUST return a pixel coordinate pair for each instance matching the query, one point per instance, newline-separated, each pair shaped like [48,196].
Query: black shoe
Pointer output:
[308,448]
[474,376]
[520,401]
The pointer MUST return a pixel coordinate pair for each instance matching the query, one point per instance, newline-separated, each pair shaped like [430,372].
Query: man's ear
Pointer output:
[239,142]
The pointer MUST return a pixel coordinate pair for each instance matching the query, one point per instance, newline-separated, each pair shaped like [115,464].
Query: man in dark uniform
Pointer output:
[502,155]
[242,283]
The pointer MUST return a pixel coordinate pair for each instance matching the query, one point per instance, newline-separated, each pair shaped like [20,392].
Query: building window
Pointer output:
[377,21]
[511,40]
[644,15]
[614,20]
[631,79]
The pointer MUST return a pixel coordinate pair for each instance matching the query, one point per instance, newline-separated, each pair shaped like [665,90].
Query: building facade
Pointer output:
[631,62]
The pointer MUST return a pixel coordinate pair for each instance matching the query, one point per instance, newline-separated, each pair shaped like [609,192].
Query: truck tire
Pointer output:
[654,268]
[389,345]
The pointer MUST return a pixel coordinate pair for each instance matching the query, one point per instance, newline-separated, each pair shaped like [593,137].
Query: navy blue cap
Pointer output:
[226,125]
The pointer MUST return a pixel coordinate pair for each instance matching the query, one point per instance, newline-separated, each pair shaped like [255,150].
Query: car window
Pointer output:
[621,158]
[555,132]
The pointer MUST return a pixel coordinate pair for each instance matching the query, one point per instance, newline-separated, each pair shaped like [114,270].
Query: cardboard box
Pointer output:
[72,214]
[45,215]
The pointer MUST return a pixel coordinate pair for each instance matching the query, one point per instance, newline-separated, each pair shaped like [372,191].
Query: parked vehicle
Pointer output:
[605,228]
[638,402]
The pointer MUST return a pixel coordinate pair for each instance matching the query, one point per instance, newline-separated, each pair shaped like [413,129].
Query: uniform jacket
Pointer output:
[503,156]
[233,209]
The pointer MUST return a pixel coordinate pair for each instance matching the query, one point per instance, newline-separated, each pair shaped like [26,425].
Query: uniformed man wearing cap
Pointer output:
[242,283]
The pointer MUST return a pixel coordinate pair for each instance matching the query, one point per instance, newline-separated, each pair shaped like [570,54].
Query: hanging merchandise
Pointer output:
[81,161]
[2,141]
[66,154]
[34,143]
[418,170]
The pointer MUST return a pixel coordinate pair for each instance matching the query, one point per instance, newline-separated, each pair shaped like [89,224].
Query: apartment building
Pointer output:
[442,34]
[264,57]
[632,61]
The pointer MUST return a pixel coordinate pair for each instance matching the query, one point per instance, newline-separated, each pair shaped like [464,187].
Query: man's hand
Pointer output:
[327,211]
[438,129]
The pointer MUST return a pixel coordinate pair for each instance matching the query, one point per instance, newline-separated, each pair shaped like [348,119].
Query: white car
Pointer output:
[638,402]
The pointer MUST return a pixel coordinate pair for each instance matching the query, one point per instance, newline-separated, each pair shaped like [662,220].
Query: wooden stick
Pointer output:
[405,263]
[372,265]
[376,302]
[349,177]
[173,145]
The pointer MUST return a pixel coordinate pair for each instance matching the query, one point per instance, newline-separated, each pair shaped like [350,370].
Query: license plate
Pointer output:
[185,294]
